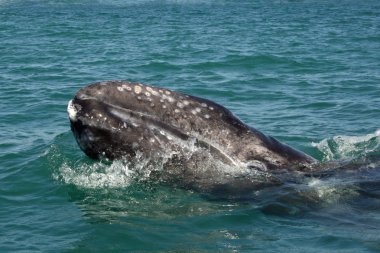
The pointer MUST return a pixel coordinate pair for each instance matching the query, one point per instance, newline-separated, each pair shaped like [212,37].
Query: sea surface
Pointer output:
[306,72]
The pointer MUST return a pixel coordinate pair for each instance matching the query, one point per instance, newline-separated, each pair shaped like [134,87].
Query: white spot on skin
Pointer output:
[135,145]
[204,105]
[152,105]
[194,112]
[129,88]
[185,102]
[170,99]
[180,105]
[120,88]
[198,109]
[176,111]
[160,91]
[167,92]
[207,116]
[211,108]
[147,94]
[164,106]
[137,89]
[153,92]
[139,98]
[100,115]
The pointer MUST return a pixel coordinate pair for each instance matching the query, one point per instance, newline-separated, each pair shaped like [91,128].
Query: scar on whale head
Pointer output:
[199,143]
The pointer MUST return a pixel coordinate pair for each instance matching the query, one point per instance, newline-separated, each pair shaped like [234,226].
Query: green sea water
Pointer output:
[305,71]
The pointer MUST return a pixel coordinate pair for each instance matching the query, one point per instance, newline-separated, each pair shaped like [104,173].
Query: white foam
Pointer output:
[96,175]
[341,146]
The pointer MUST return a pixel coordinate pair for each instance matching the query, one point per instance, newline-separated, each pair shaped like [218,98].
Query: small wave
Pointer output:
[241,62]
[160,65]
[330,191]
[348,147]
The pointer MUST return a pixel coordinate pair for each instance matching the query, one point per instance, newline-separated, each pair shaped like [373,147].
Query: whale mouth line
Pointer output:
[154,123]
[136,118]
[86,97]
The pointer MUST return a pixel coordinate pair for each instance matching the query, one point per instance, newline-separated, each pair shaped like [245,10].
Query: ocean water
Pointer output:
[305,71]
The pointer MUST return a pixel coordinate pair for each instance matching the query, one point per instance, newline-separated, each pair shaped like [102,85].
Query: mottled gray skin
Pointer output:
[121,119]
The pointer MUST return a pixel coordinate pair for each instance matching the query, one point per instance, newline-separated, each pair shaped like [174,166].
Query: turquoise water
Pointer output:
[306,72]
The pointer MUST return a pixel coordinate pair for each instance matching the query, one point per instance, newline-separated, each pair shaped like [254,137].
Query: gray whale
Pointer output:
[198,143]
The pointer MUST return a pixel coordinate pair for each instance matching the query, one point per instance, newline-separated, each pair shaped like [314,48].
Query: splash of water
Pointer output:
[348,147]
[96,175]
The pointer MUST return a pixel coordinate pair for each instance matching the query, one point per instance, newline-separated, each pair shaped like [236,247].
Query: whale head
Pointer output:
[118,119]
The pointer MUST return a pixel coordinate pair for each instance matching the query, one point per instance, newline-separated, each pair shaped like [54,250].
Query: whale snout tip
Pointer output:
[72,111]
